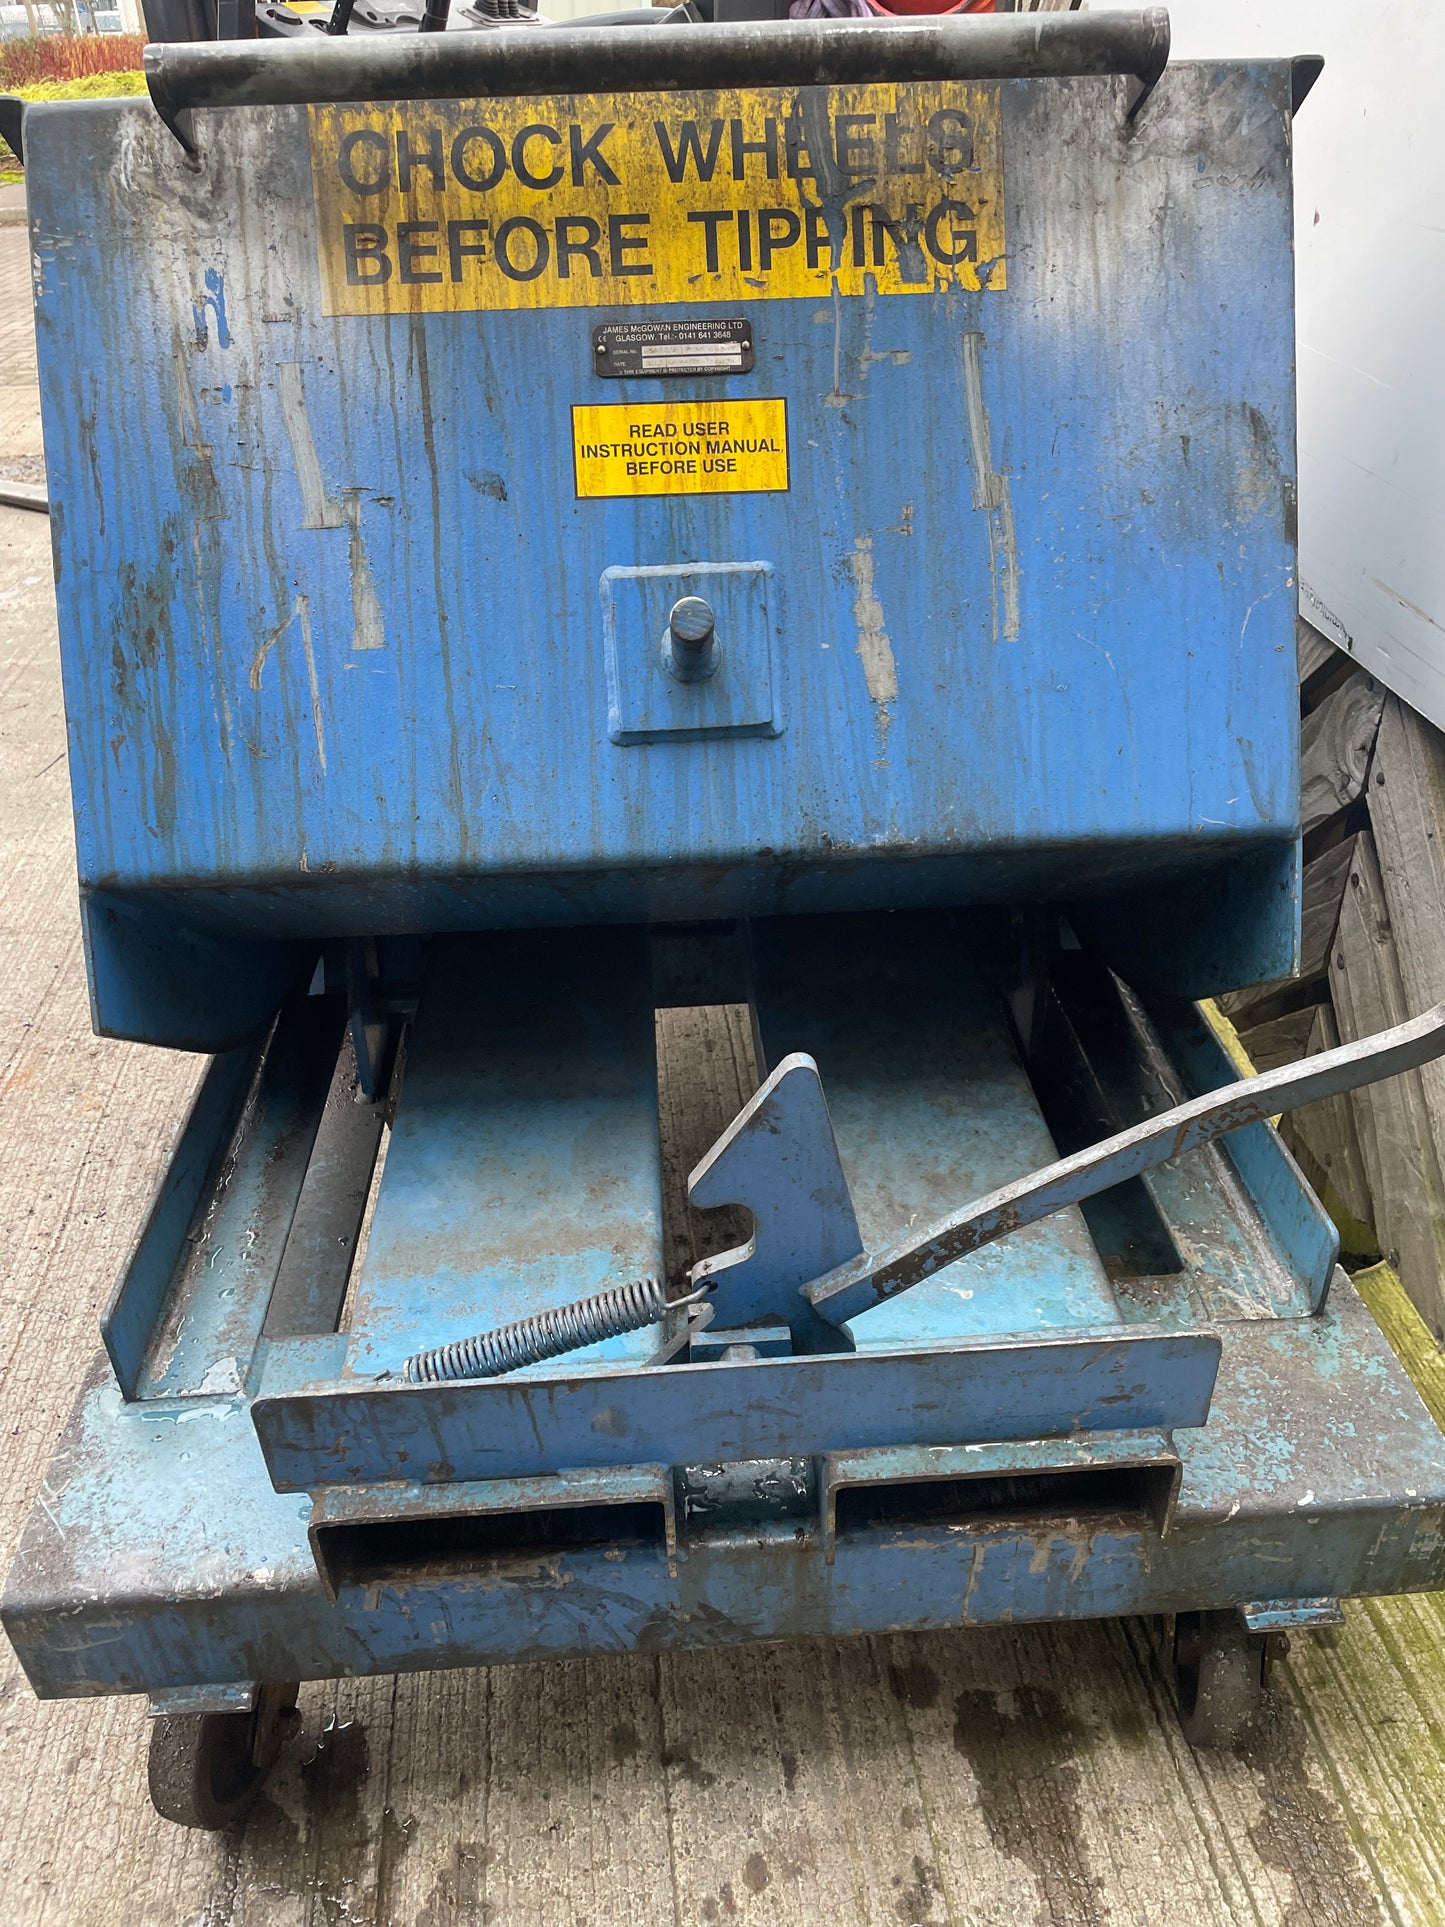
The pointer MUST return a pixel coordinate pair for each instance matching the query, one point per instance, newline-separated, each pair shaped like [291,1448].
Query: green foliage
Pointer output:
[91,87]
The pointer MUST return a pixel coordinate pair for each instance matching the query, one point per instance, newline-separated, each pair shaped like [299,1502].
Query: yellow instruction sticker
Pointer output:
[605,200]
[680,448]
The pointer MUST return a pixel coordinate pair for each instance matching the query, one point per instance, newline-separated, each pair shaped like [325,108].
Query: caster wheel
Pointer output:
[1218,1676]
[205,1769]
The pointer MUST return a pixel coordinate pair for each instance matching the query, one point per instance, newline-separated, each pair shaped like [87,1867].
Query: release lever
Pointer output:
[868,1280]
[805,1264]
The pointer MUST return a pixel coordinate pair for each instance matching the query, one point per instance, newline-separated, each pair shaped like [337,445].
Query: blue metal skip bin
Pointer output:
[359,638]
[555,526]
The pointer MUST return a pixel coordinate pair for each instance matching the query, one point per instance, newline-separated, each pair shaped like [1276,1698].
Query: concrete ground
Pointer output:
[980,1780]
[21,458]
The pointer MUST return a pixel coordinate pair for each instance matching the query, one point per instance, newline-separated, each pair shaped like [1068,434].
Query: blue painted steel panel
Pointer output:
[522,1171]
[1045,1386]
[154,976]
[161,1250]
[207,1324]
[931,1108]
[778,1161]
[1297,1472]
[387,706]
[646,702]
[1291,1217]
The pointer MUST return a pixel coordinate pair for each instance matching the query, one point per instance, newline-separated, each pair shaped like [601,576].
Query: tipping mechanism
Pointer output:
[775,538]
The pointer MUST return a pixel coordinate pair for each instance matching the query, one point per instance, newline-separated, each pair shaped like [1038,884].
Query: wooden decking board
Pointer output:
[1367,1730]
[706,1073]
[1370,1693]
[1407,818]
[1336,743]
[1327,1130]
[1322,666]
[1403,1160]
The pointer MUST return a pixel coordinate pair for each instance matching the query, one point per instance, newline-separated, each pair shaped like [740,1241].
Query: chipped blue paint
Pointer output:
[214,300]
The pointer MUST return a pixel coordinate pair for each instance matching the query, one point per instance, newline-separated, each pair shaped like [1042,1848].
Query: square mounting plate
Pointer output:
[647,703]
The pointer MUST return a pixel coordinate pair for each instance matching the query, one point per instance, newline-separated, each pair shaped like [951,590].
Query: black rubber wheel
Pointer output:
[205,1769]
[1218,1676]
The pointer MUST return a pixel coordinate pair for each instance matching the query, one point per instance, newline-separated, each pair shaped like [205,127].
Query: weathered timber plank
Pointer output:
[1260,1004]
[1229,1037]
[1407,816]
[1368,1698]
[1283,1040]
[1336,741]
[1322,890]
[1322,666]
[706,1074]
[1371,1692]
[1402,1161]
[1323,1136]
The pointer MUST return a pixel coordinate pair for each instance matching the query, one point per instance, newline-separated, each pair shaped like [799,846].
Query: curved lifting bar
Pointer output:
[867,1280]
[186,75]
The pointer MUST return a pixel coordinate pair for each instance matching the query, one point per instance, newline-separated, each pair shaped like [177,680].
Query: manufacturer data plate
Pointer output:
[696,347]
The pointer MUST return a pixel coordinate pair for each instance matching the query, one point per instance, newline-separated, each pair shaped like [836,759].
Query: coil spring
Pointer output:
[622,1308]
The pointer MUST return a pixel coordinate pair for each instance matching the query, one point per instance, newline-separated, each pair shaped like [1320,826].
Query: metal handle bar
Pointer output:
[568,60]
[866,1280]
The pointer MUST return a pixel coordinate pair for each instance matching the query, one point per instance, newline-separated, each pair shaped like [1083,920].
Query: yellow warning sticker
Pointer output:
[611,200]
[680,448]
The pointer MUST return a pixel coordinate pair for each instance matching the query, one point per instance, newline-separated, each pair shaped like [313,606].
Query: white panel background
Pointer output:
[1370,252]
